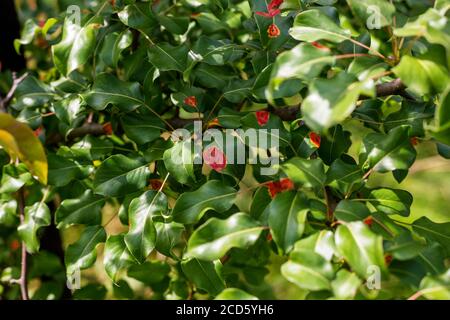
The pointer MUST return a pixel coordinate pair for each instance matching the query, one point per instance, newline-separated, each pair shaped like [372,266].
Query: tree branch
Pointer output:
[23,267]
[16,81]
[94,129]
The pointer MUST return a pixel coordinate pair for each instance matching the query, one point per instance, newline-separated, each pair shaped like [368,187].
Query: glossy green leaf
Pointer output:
[179,161]
[287,218]
[391,201]
[373,13]
[83,210]
[76,46]
[36,217]
[204,274]
[213,239]
[142,128]
[310,173]
[166,57]
[349,211]
[331,101]
[213,195]
[149,272]
[141,236]
[360,247]
[116,256]
[119,175]
[385,153]
[82,254]
[107,89]
[234,294]
[439,232]
[113,46]
[308,270]
[345,285]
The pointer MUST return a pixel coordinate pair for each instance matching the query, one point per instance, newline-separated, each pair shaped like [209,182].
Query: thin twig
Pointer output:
[16,81]
[23,267]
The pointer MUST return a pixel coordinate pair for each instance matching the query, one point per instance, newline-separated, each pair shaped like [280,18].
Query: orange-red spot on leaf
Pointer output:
[107,128]
[273,31]
[14,245]
[315,139]
[368,221]
[190,101]
[262,117]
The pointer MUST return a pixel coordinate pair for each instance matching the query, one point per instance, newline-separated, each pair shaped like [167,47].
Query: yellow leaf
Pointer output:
[20,142]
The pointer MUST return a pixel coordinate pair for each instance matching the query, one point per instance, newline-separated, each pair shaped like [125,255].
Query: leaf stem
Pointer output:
[375,52]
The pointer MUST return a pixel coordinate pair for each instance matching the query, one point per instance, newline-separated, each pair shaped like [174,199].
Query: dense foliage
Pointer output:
[86,144]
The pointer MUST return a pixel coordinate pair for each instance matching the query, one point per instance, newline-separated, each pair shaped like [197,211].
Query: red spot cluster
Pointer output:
[414,141]
[315,139]
[215,158]
[276,187]
[388,259]
[191,101]
[107,128]
[368,221]
[273,31]
[272,8]
[155,184]
[14,245]
[37,132]
[320,46]
[262,117]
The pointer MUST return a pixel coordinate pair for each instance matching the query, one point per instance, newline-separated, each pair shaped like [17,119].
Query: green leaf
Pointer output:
[213,195]
[234,294]
[113,46]
[216,52]
[345,285]
[139,16]
[204,274]
[344,176]
[331,101]
[64,170]
[107,89]
[302,62]
[149,272]
[14,177]
[141,236]
[119,175]
[422,76]
[142,128]
[31,93]
[385,153]
[166,57]
[310,173]
[334,145]
[439,232]
[308,270]
[360,247]
[372,12]
[320,242]
[404,247]
[21,143]
[214,238]
[432,24]
[313,25]
[82,254]
[349,211]
[29,30]
[179,161]
[441,128]
[116,256]
[436,287]
[287,218]
[391,201]
[168,235]
[76,46]
[36,217]
[83,210]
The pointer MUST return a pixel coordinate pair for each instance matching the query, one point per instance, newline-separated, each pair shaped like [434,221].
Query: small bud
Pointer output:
[262,117]
[107,128]
[191,101]
[273,31]
[315,139]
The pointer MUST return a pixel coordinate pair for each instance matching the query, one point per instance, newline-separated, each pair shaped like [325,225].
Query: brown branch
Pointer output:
[94,129]
[16,81]
[332,203]
[23,268]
